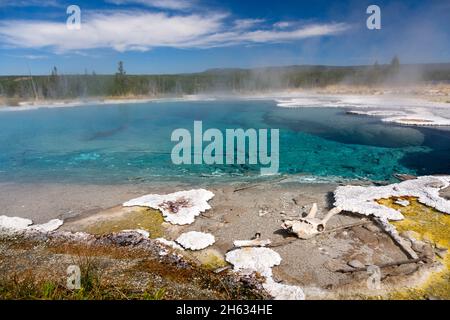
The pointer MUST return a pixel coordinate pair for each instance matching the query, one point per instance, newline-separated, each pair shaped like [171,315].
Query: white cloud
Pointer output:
[34,57]
[162,4]
[282,24]
[28,56]
[141,31]
[247,23]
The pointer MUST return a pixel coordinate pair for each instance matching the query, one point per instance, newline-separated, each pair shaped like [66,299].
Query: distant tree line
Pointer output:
[61,86]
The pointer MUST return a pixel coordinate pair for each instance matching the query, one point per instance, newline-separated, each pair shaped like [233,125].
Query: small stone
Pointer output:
[440,247]
[428,253]
[335,265]
[418,246]
[402,202]
[428,238]
[262,213]
[405,269]
[356,264]
[410,235]
[371,227]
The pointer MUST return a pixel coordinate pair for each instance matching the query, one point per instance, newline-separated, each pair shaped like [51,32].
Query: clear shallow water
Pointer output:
[122,143]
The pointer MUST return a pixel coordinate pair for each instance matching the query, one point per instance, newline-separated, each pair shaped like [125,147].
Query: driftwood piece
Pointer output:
[381,266]
[222,269]
[282,243]
[253,242]
[356,224]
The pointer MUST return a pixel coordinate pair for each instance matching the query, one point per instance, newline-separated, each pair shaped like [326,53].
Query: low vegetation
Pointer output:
[61,86]
[37,271]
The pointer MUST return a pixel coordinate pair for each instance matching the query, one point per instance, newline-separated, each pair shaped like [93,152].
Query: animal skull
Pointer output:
[308,227]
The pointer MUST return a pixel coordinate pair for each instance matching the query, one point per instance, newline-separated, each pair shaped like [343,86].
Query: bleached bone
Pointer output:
[312,213]
[330,214]
[254,242]
[251,243]
[306,228]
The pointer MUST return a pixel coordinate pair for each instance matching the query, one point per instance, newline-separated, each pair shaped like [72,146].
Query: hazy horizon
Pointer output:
[89,72]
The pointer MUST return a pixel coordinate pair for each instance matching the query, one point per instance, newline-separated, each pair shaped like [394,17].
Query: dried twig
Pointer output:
[356,224]
[220,270]
[281,243]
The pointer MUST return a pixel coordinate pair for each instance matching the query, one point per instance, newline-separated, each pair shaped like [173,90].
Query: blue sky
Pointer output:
[177,36]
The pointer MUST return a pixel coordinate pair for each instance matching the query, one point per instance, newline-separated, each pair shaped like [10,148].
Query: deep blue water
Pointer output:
[131,142]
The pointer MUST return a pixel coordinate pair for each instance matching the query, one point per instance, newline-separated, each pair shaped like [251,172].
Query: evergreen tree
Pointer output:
[53,85]
[395,64]
[54,72]
[120,80]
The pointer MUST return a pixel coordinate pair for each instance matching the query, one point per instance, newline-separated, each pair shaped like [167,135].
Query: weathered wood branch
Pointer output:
[381,266]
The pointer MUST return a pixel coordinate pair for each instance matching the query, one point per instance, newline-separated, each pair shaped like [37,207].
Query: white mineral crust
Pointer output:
[169,243]
[194,240]
[281,291]
[362,200]
[191,204]
[14,223]
[261,260]
[52,225]
[17,224]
